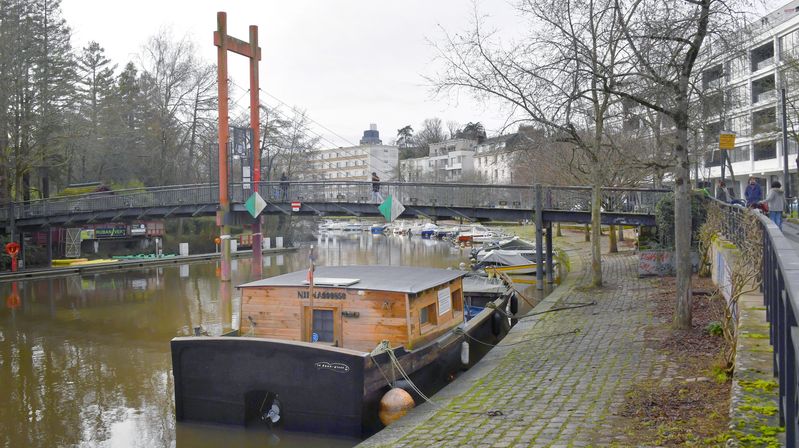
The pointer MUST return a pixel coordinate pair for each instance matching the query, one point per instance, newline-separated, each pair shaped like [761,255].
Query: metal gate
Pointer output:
[72,249]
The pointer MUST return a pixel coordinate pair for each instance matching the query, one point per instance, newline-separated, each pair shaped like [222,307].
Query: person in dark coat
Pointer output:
[376,196]
[753,193]
[284,187]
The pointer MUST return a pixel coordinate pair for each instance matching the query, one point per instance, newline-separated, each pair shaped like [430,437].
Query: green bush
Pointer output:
[664,218]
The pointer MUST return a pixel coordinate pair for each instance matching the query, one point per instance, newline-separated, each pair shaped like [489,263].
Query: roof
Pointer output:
[405,279]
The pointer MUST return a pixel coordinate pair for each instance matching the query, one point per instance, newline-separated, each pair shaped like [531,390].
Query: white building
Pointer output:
[493,161]
[355,163]
[449,161]
[748,84]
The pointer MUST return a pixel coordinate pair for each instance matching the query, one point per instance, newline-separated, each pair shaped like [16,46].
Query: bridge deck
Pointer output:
[471,202]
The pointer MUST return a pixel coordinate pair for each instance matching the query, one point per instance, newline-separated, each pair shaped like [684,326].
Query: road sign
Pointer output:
[255,204]
[295,206]
[727,141]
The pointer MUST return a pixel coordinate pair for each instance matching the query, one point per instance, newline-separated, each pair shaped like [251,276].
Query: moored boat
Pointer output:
[307,360]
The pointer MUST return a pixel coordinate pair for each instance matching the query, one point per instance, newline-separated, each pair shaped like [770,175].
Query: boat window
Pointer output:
[323,325]
[427,315]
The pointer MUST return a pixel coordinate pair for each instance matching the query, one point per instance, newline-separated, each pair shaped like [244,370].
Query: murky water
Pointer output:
[85,360]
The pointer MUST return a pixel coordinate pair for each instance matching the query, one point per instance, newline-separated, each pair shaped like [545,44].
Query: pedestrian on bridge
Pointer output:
[376,196]
[753,193]
[284,187]
[776,202]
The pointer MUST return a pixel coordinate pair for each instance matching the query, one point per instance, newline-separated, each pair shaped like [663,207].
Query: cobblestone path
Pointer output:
[561,376]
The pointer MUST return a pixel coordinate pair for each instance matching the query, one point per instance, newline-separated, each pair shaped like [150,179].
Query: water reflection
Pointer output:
[84,360]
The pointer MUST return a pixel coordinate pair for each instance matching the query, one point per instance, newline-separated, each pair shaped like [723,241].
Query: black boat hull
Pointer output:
[322,389]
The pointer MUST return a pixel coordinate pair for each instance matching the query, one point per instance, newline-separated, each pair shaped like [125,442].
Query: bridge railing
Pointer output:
[454,195]
[781,296]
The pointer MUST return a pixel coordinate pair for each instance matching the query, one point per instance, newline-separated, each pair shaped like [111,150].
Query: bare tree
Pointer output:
[556,78]
[664,41]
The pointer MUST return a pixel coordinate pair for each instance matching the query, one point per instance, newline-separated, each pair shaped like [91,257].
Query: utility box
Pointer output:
[267,243]
[183,249]
[234,246]
[278,242]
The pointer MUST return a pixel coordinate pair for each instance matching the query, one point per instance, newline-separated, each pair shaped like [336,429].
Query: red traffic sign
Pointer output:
[295,206]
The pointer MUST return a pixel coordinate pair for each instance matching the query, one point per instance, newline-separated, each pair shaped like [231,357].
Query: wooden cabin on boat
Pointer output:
[355,307]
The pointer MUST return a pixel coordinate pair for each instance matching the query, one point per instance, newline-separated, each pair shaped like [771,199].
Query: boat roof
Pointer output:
[405,279]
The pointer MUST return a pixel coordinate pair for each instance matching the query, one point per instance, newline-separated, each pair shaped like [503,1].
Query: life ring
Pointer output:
[496,323]
[12,248]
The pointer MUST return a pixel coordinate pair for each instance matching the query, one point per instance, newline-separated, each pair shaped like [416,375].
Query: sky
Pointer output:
[347,63]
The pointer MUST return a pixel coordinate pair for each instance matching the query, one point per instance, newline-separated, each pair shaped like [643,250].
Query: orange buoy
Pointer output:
[394,405]
[217,240]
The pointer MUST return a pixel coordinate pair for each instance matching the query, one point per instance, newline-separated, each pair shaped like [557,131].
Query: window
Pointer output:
[427,315]
[739,154]
[766,150]
[323,325]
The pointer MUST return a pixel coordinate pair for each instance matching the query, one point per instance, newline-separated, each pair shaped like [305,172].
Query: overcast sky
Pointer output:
[347,62]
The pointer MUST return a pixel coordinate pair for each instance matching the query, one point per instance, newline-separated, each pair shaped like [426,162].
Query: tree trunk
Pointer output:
[612,240]
[682,223]
[559,232]
[596,250]
[587,232]
[621,233]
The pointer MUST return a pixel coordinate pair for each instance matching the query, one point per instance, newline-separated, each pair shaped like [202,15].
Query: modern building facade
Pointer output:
[355,163]
[493,159]
[742,93]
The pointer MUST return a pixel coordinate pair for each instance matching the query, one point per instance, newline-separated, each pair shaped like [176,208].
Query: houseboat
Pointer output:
[305,356]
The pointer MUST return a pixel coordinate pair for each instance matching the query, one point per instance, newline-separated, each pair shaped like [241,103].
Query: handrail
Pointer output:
[468,195]
[781,297]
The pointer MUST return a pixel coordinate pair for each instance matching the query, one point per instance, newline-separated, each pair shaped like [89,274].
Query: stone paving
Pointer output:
[558,378]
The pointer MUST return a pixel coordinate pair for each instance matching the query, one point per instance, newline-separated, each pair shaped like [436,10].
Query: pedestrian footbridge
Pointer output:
[468,202]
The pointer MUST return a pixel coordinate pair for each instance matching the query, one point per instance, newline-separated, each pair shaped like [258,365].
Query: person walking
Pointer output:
[376,196]
[776,202]
[753,193]
[722,194]
[284,187]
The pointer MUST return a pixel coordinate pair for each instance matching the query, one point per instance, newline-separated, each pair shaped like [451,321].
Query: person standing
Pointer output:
[284,187]
[753,193]
[776,202]
[722,194]
[376,196]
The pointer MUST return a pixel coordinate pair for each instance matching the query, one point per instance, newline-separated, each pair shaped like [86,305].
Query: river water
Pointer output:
[85,359]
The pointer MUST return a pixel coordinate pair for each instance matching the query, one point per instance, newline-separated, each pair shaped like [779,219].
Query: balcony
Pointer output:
[764,64]
[770,95]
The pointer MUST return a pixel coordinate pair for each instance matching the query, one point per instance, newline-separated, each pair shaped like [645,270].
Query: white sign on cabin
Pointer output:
[444,301]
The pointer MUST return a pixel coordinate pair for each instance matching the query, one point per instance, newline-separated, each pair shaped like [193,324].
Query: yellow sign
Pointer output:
[726,141]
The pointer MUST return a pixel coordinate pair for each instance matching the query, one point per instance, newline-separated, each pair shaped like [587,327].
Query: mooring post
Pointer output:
[550,269]
[255,124]
[223,217]
[539,229]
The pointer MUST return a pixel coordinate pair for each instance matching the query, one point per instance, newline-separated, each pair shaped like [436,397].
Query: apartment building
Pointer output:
[742,94]
[493,159]
[355,163]
[449,161]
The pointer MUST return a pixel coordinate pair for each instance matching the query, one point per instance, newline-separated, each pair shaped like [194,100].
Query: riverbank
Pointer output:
[119,265]
[575,370]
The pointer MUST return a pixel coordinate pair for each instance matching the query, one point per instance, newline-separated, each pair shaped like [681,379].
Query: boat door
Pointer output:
[323,325]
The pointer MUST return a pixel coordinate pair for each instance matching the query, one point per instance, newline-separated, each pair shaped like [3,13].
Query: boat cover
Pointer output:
[504,258]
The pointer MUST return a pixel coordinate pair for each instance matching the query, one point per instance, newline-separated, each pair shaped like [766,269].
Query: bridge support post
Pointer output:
[539,229]
[225,43]
[255,124]
[550,269]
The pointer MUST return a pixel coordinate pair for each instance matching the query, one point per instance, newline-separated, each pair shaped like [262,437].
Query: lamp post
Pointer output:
[785,177]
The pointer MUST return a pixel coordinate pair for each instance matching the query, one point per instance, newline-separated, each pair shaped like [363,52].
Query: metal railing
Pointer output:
[781,296]
[460,195]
